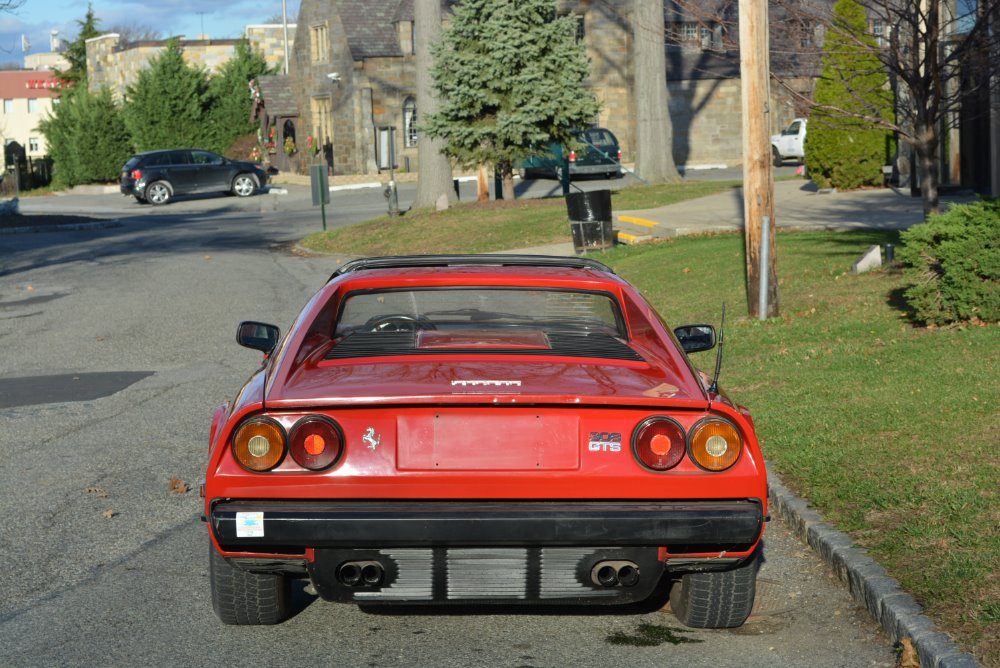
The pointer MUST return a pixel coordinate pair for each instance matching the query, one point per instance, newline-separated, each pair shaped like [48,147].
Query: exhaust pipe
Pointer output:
[607,576]
[371,573]
[349,574]
[360,573]
[615,574]
[628,575]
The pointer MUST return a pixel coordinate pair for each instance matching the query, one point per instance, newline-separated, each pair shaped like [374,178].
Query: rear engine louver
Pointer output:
[382,344]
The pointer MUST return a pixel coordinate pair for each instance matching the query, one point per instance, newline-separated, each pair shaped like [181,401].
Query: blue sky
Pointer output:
[220,18]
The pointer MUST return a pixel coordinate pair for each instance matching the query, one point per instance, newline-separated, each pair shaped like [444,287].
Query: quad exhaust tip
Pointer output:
[360,573]
[615,574]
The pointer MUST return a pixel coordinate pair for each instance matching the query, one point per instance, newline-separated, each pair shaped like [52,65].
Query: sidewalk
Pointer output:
[797,205]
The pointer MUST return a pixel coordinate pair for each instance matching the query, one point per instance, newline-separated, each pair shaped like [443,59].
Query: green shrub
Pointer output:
[87,138]
[954,264]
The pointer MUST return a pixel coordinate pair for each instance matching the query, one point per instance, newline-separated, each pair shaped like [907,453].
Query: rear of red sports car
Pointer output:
[482,429]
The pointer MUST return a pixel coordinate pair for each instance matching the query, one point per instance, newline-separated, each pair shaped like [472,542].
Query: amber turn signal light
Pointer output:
[715,444]
[259,444]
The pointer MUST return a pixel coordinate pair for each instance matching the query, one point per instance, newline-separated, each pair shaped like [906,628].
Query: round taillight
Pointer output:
[715,444]
[259,444]
[658,443]
[316,442]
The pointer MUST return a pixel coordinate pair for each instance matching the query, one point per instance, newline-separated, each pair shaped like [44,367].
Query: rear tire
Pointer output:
[243,598]
[718,600]
[776,157]
[244,185]
[158,193]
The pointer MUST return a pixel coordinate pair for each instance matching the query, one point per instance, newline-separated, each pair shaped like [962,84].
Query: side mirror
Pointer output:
[695,338]
[258,336]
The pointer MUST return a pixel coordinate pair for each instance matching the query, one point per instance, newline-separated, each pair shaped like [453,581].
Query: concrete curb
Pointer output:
[896,611]
[68,227]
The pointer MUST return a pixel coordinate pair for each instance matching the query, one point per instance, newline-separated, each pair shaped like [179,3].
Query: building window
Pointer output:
[581,29]
[410,122]
[319,43]
[34,146]
[321,120]
[32,105]
[8,106]
[689,32]
[878,30]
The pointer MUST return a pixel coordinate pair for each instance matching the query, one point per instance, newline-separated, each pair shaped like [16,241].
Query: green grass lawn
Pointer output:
[493,226]
[891,430]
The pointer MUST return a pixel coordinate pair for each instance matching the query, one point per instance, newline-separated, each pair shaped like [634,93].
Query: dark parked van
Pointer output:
[600,155]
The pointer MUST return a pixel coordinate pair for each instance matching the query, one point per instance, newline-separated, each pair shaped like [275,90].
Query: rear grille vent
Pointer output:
[391,344]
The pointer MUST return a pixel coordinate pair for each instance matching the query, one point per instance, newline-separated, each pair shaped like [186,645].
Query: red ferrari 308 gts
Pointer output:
[482,429]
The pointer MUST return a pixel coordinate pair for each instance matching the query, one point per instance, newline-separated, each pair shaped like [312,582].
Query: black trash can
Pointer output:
[590,220]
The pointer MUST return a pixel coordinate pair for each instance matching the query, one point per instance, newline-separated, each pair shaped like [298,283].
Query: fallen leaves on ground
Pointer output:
[99,492]
[908,657]
[108,514]
[178,486]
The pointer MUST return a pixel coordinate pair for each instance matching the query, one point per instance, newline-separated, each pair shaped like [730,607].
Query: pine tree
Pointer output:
[76,51]
[86,137]
[843,150]
[229,92]
[167,107]
[510,76]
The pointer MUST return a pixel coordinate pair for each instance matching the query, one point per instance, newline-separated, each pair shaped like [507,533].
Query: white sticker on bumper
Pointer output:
[249,525]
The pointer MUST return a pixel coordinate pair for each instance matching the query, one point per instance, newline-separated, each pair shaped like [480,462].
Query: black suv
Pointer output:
[156,176]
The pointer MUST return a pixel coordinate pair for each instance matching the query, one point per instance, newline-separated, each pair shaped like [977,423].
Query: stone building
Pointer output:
[353,70]
[115,64]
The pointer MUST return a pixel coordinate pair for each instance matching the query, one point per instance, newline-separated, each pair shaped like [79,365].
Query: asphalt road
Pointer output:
[119,342]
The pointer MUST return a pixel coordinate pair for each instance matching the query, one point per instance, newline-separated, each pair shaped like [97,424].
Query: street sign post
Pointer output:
[320,189]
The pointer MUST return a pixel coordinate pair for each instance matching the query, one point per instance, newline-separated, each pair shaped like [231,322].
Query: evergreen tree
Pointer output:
[167,107]
[843,150]
[76,51]
[510,76]
[229,92]
[87,138]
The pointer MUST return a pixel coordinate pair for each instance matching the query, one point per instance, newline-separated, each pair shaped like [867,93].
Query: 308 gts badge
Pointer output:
[604,441]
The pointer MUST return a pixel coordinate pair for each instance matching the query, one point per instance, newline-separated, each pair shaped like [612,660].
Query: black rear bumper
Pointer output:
[688,526]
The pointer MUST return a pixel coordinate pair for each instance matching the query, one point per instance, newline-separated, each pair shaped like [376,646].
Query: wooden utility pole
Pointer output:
[758,182]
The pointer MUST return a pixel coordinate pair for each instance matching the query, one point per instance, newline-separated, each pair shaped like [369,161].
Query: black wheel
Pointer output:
[243,598]
[244,185]
[141,200]
[777,159]
[719,600]
[559,174]
[158,193]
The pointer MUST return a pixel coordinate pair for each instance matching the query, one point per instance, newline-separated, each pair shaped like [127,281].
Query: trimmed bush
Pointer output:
[954,263]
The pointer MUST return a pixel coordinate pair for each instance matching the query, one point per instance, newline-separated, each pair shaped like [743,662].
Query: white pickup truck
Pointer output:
[789,143]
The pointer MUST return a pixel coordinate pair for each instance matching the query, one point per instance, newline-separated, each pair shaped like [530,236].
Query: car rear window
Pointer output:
[481,308]
[601,138]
